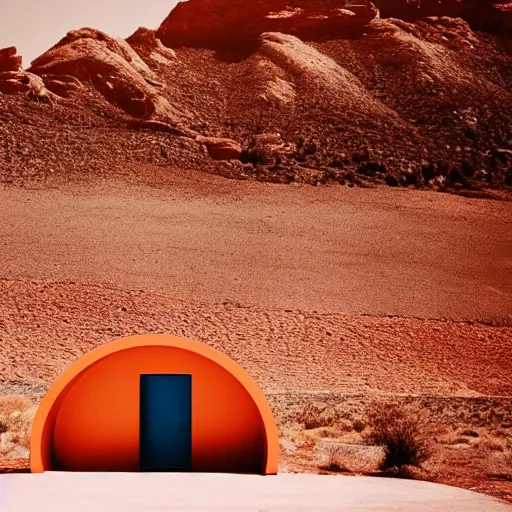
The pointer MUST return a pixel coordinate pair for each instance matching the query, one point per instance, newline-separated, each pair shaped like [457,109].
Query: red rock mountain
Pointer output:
[211,23]
[398,92]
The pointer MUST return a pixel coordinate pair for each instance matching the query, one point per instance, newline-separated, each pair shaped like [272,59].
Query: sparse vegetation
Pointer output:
[460,441]
[16,416]
[343,457]
[316,415]
[404,431]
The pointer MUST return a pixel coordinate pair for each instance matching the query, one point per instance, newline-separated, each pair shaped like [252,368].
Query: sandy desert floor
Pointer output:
[355,291]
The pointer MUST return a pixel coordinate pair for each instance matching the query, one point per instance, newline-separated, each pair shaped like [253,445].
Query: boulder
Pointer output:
[221,148]
[9,61]
[150,48]
[113,68]
[14,82]
[217,23]
[265,147]
[62,85]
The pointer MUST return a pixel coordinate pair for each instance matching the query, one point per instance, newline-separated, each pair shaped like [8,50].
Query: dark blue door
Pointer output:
[165,422]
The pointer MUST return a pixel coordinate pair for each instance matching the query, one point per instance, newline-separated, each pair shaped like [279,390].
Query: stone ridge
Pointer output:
[211,23]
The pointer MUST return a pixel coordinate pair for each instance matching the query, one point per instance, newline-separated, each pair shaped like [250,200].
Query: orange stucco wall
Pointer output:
[90,421]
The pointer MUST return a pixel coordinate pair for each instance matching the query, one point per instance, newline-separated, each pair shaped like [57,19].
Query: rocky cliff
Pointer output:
[403,93]
[214,23]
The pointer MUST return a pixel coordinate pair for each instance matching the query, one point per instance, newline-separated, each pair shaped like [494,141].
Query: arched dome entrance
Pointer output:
[154,402]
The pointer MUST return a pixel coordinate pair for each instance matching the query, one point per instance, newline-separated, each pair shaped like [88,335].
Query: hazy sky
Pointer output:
[33,26]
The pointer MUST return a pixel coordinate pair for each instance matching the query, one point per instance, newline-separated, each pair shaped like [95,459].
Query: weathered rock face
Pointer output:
[62,85]
[500,18]
[14,82]
[409,103]
[220,148]
[212,23]
[9,61]
[150,48]
[480,14]
[112,67]
[265,147]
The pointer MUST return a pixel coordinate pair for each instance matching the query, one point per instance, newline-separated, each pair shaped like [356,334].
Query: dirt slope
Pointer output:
[275,277]
[414,254]
[319,351]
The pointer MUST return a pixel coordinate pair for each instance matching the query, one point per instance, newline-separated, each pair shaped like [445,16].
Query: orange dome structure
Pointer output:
[154,402]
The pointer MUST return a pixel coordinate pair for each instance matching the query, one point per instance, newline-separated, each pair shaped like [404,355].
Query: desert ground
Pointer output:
[328,296]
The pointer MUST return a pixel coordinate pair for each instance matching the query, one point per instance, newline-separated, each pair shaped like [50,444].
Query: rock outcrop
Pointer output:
[480,14]
[112,67]
[9,61]
[150,48]
[216,23]
[14,82]
[64,86]
[265,148]
[221,148]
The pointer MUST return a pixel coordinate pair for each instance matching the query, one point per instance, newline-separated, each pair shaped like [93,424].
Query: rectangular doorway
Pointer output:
[165,422]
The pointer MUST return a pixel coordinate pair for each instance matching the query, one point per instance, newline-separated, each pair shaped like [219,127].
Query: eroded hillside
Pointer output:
[317,92]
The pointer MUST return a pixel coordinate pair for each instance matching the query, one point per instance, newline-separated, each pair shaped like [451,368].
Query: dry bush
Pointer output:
[315,415]
[406,432]
[502,468]
[336,461]
[11,404]
[341,457]
[16,417]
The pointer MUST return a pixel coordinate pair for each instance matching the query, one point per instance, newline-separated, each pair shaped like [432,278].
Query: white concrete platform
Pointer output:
[197,492]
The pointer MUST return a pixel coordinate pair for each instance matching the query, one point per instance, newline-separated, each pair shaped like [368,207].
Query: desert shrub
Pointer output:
[456,175]
[336,461]
[361,156]
[406,433]
[493,445]
[305,149]
[16,417]
[340,457]
[338,161]
[329,176]
[11,404]
[310,148]
[350,176]
[316,415]
[497,464]
[414,177]
[429,172]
